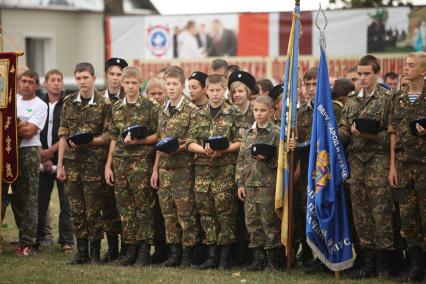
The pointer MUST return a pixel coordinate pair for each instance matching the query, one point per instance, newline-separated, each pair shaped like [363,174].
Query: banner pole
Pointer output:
[290,237]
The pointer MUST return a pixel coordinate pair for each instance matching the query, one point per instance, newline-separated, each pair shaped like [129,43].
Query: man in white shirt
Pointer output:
[187,43]
[31,112]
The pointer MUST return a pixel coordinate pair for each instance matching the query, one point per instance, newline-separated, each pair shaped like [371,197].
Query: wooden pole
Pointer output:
[1,183]
[337,275]
[290,237]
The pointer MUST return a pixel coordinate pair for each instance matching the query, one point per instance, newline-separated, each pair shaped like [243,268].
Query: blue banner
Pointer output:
[327,221]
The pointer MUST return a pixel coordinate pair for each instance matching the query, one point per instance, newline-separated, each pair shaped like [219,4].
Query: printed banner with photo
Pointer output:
[350,32]
[8,125]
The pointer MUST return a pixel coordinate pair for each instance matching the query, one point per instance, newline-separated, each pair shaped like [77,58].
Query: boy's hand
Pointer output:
[292,144]
[420,130]
[393,177]
[154,179]
[109,176]
[241,193]
[259,157]
[128,140]
[60,174]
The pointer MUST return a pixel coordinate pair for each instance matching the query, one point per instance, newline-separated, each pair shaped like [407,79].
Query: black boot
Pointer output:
[224,257]
[82,255]
[160,253]
[384,269]
[187,257]
[144,257]
[258,263]
[212,258]
[112,253]
[130,256]
[368,268]
[415,272]
[95,252]
[271,259]
[175,256]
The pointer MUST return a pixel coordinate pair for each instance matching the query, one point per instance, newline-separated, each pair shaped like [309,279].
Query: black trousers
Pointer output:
[47,182]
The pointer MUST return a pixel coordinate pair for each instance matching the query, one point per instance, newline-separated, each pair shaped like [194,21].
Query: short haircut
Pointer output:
[32,74]
[53,72]
[175,71]
[390,75]
[265,84]
[84,66]
[163,70]
[156,83]
[219,64]
[190,24]
[131,72]
[342,87]
[215,79]
[237,84]
[311,74]
[231,69]
[421,55]
[370,60]
[352,70]
[264,100]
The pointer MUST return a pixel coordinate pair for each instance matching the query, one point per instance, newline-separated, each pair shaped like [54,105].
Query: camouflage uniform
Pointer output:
[248,117]
[25,194]
[85,166]
[304,126]
[176,174]
[259,179]
[372,202]
[411,165]
[215,179]
[132,170]
[110,215]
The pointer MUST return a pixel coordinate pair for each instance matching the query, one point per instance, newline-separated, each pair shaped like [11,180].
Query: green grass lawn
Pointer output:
[48,266]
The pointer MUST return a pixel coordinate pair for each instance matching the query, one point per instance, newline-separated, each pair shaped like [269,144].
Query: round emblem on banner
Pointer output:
[158,40]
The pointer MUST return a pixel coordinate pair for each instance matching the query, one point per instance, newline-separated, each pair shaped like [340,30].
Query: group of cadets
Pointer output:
[193,185]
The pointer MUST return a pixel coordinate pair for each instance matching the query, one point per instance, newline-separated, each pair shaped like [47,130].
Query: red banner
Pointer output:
[9,147]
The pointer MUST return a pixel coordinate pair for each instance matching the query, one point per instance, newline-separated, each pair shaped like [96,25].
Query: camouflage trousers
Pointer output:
[135,198]
[110,217]
[85,199]
[262,222]
[372,201]
[176,196]
[25,194]
[411,196]
[300,205]
[215,201]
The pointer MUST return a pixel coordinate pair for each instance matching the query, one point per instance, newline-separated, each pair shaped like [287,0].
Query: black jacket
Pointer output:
[56,122]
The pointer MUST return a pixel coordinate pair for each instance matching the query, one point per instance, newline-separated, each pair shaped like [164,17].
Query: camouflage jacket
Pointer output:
[304,122]
[176,125]
[409,148]
[228,122]
[94,117]
[250,171]
[248,116]
[378,106]
[113,99]
[143,112]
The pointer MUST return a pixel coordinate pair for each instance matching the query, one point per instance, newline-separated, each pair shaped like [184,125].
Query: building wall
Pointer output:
[75,36]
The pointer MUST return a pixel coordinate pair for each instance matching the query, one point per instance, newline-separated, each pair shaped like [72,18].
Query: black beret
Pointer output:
[81,138]
[412,124]
[218,142]
[367,125]
[276,92]
[136,131]
[243,77]
[114,61]
[200,77]
[167,145]
[266,150]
